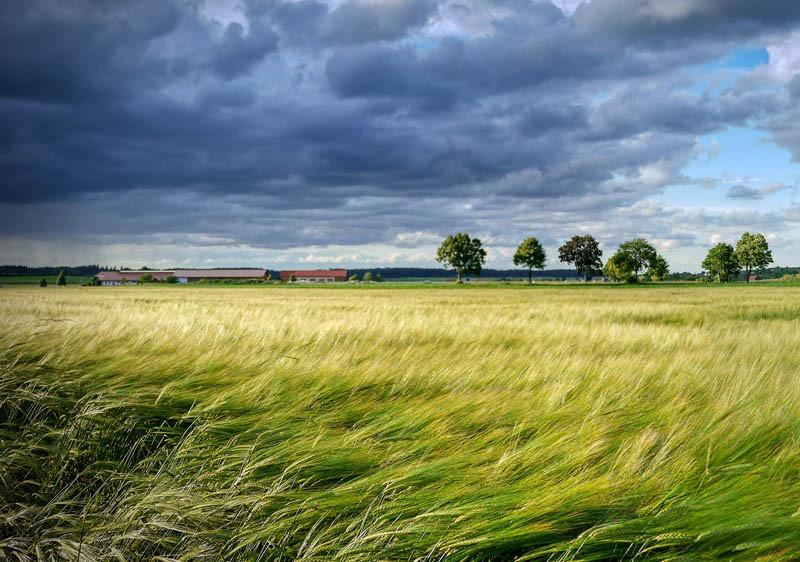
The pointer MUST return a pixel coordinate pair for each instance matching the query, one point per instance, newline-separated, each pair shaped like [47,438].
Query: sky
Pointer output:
[360,133]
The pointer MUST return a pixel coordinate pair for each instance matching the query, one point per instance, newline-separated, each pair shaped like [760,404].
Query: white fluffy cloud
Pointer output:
[784,56]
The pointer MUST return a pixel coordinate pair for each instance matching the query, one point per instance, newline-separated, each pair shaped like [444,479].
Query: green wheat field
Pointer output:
[265,423]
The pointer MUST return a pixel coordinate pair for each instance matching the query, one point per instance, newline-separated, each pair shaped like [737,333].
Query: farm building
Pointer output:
[128,277]
[314,276]
[193,275]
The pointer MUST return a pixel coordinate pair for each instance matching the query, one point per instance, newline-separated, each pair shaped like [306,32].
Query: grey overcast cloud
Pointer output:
[361,132]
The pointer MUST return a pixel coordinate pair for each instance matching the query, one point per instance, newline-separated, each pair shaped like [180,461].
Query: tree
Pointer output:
[378,278]
[659,269]
[170,279]
[146,278]
[640,254]
[293,278]
[61,280]
[367,277]
[354,278]
[752,252]
[43,282]
[584,253]
[619,268]
[530,254]
[464,254]
[721,262]
[632,259]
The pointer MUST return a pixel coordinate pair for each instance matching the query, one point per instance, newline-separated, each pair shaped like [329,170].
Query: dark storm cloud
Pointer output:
[310,24]
[300,23]
[457,69]
[238,52]
[783,125]
[744,192]
[753,193]
[536,43]
[794,87]
[663,105]
[78,51]
[312,124]
[669,22]
[362,21]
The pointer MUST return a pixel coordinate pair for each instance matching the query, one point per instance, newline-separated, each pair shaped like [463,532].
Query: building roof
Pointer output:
[335,273]
[220,273]
[132,275]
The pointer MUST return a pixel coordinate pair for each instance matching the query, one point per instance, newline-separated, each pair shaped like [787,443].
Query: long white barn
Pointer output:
[131,277]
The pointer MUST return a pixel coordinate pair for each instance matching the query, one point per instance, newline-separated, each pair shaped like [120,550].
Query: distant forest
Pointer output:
[769,273]
[390,273]
[82,270]
[436,273]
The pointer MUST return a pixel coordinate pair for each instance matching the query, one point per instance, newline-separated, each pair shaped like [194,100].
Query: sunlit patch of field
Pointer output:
[476,424]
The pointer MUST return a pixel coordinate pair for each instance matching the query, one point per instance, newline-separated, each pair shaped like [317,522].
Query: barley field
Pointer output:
[553,424]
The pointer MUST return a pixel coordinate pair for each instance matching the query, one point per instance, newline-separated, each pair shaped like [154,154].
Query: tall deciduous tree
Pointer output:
[640,254]
[61,280]
[633,258]
[721,262]
[584,253]
[464,254]
[659,269]
[752,252]
[530,253]
[619,268]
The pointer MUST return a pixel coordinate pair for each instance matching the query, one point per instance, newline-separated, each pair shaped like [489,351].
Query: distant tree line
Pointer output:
[391,273]
[366,276]
[635,260]
[80,270]
[767,273]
